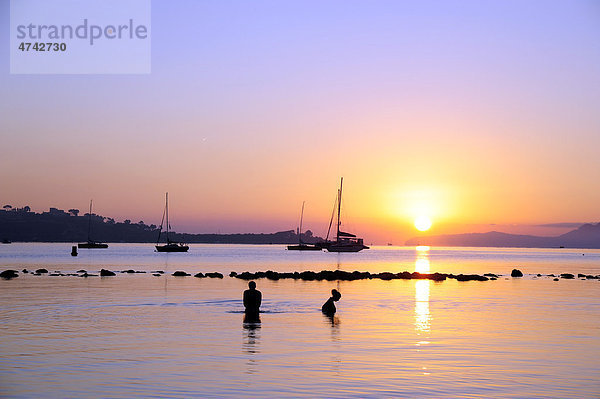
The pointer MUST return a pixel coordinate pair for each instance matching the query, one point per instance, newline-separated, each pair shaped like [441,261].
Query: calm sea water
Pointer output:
[145,336]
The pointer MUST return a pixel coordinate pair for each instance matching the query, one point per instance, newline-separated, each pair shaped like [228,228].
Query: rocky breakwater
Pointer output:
[331,275]
[181,273]
[9,274]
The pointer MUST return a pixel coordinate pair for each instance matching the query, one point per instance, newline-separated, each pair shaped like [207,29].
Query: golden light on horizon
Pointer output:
[421,208]
[423,223]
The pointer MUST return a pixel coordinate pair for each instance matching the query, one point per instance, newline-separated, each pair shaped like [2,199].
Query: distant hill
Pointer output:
[585,236]
[57,225]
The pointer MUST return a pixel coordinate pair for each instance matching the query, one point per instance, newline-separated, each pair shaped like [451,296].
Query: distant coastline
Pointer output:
[56,225]
[585,236]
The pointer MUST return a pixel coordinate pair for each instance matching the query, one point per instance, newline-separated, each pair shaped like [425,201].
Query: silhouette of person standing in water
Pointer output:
[328,307]
[252,301]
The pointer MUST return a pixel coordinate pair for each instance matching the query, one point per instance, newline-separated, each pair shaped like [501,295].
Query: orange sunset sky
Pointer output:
[478,115]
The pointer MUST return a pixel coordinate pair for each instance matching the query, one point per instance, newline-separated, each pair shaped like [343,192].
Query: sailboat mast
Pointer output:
[339,209]
[90,221]
[167,211]
[162,223]
[300,231]
[331,219]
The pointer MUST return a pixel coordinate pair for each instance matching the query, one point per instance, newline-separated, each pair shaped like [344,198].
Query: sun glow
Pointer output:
[422,207]
[423,223]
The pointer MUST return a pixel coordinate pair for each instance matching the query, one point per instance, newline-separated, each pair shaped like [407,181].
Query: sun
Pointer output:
[423,223]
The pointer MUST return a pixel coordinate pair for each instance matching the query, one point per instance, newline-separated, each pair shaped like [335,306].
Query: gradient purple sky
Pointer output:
[474,113]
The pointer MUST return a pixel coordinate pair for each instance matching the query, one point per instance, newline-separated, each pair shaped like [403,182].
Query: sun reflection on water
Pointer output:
[422,261]
[422,316]
[422,265]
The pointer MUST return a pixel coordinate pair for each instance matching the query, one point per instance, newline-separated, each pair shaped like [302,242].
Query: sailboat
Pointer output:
[302,246]
[344,242]
[91,243]
[170,246]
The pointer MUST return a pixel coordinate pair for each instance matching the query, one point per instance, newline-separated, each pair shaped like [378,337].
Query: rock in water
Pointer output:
[105,272]
[180,273]
[9,274]
[516,273]
[199,275]
[470,277]
[41,271]
[567,275]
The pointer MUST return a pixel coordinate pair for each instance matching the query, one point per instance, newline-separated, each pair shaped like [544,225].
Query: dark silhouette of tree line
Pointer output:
[57,225]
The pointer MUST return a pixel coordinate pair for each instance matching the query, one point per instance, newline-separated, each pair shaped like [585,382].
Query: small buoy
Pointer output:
[74,250]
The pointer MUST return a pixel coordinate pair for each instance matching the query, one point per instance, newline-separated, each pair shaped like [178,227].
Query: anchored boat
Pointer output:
[303,246]
[91,244]
[344,242]
[170,246]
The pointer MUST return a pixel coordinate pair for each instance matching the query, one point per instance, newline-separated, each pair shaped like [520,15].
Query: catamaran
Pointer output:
[91,243]
[344,242]
[303,246]
[170,246]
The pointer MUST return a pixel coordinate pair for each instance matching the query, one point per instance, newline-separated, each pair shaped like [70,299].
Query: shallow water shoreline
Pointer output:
[143,333]
[136,335]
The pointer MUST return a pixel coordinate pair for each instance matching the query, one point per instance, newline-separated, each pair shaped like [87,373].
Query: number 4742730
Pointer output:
[42,46]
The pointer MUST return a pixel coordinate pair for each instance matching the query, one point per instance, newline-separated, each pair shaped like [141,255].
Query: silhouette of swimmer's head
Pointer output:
[252,285]
[335,294]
